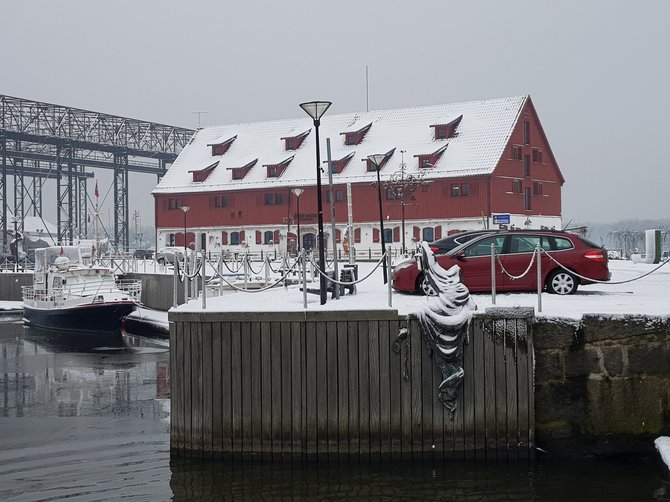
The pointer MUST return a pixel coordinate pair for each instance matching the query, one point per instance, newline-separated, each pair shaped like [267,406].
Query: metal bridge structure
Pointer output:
[41,141]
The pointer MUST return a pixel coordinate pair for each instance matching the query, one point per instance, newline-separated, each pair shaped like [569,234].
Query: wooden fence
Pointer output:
[329,386]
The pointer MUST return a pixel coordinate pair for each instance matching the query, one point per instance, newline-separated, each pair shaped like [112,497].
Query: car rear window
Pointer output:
[589,243]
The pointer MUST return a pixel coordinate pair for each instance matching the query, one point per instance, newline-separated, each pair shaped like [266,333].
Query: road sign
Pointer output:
[501,219]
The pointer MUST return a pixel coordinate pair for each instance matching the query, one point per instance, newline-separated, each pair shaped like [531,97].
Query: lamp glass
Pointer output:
[315,109]
[377,159]
[185,208]
[297,191]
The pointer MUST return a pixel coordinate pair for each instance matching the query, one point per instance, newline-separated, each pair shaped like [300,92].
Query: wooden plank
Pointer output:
[415,383]
[226,389]
[255,389]
[385,354]
[276,390]
[310,390]
[236,388]
[266,391]
[522,393]
[342,391]
[428,398]
[286,405]
[478,372]
[364,389]
[531,391]
[354,419]
[375,398]
[489,349]
[332,388]
[438,414]
[207,389]
[297,389]
[217,391]
[406,391]
[395,382]
[321,393]
[188,394]
[469,397]
[177,386]
[501,392]
[245,367]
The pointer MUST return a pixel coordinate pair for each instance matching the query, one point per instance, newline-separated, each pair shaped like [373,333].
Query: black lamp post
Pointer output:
[298,192]
[316,109]
[185,209]
[376,161]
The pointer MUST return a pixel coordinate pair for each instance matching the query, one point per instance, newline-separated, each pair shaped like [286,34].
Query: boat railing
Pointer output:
[132,287]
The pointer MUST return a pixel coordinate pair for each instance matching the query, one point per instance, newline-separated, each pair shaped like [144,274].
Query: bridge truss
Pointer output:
[40,141]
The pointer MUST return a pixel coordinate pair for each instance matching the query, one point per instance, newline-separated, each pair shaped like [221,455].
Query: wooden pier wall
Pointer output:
[329,386]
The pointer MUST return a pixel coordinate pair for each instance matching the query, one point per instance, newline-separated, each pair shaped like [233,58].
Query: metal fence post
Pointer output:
[538,255]
[304,278]
[176,259]
[175,280]
[388,261]
[203,264]
[493,273]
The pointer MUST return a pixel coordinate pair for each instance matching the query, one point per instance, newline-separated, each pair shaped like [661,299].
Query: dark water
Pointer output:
[90,421]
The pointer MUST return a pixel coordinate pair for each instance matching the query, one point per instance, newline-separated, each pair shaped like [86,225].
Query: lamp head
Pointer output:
[315,109]
[377,159]
[297,191]
[185,209]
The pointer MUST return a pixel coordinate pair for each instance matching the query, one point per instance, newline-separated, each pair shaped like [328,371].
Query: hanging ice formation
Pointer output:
[444,323]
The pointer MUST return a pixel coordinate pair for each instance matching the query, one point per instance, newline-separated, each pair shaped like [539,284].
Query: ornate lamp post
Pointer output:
[298,192]
[316,109]
[376,161]
[402,186]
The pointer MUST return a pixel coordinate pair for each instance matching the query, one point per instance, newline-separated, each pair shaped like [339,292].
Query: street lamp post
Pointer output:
[376,161]
[298,192]
[185,209]
[316,109]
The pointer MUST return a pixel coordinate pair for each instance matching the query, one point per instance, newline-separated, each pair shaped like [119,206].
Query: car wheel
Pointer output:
[562,282]
[424,287]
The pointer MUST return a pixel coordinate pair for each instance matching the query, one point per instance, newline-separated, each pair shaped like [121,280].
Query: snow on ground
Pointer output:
[649,295]
[663,447]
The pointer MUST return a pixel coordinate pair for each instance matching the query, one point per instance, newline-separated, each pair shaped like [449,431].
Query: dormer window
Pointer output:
[356,137]
[294,142]
[339,165]
[276,170]
[371,168]
[222,147]
[240,172]
[448,130]
[429,160]
[201,175]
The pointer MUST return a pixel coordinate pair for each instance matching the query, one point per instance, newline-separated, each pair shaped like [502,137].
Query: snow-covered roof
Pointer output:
[476,149]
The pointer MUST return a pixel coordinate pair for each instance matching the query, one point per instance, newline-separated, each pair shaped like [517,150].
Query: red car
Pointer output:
[515,249]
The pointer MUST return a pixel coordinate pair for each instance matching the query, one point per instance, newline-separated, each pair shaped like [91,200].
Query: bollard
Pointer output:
[203,261]
[175,280]
[493,273]
[388,261]
[176,261]
[538,255]
[267,270]
[304,278]
[246,270]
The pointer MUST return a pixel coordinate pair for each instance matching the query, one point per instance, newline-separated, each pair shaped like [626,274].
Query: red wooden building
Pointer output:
[473,160]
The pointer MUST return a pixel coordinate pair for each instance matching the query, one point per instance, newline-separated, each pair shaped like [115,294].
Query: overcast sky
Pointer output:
[597,71]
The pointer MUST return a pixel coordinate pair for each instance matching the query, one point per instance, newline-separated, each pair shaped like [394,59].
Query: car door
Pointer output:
[475,262]
[516,259]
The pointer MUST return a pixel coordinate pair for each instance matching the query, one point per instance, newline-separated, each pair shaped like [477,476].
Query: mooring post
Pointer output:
[267,270]
[176,263]
[493,273]
[538,255]
[388,261]
[304,279]
[175,280]
[203,263]
[219,268]
[246,269]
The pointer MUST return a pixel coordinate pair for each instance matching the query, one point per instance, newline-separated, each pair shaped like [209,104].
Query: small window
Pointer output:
[428,234]
[517,152]
[562,243]
[526,166]
[425,163]
[351,139]
[388,235]
[537,188]
[173,204]
[234,238]
[516,187]
[526,132]
[268,237]
[220,201]
[455,190]
[440,132]
[339,196]
[279,199]
[272,171]
[269,199]
[465,189]
[526,199]
[237,173]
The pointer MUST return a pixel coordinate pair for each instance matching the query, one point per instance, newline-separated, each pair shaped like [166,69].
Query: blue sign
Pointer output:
[501,219]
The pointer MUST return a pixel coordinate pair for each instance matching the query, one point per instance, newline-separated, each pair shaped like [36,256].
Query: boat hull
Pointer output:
[82,318]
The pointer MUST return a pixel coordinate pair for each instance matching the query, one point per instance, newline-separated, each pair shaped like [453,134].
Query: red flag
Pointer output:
[97,194]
